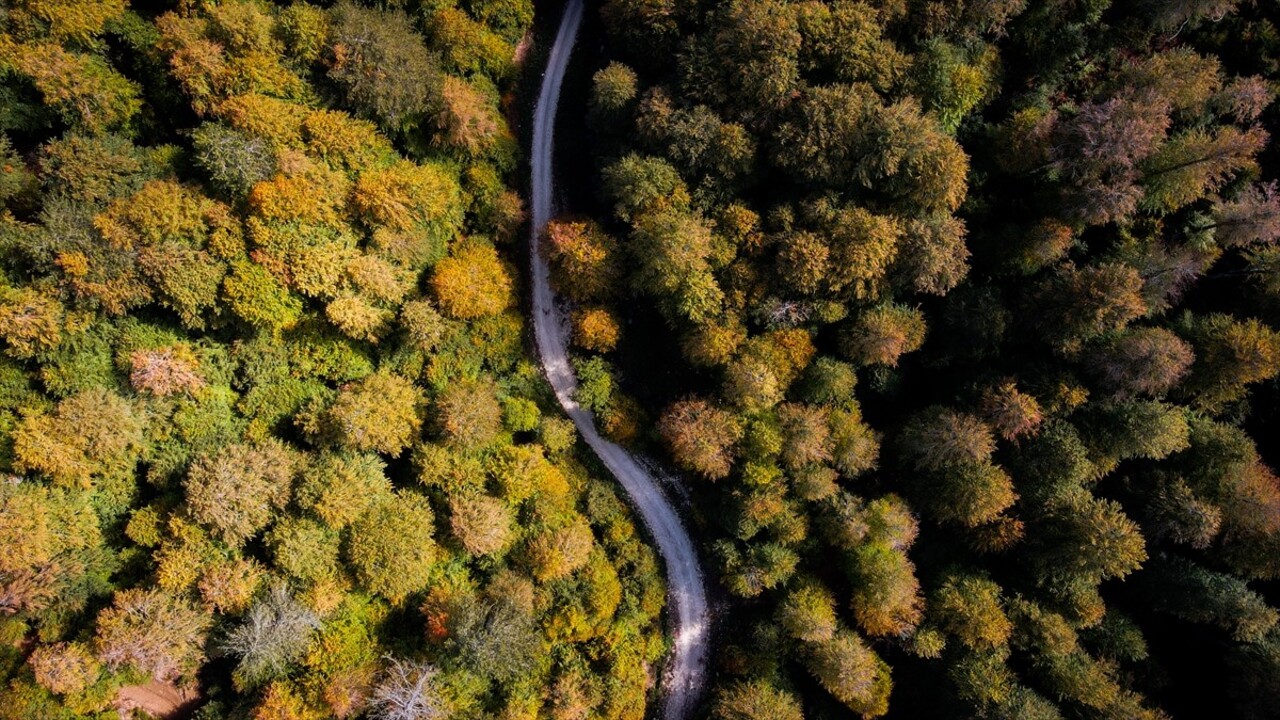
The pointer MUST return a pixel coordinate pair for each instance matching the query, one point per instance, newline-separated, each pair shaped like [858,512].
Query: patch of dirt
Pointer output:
[158,700]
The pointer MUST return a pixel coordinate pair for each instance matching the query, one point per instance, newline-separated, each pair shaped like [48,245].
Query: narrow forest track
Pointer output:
[686,670]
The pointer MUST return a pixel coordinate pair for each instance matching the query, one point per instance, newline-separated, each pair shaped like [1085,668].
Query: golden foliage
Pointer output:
[472,283]
[595,329]
[84,89]
[406,195]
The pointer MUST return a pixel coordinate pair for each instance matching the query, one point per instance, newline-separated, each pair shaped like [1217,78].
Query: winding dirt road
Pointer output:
[686,670]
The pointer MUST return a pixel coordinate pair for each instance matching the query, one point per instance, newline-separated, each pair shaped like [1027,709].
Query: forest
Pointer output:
[957,320]
[272,445]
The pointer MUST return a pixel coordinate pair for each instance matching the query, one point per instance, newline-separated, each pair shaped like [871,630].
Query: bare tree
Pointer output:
[408,691]
[274,634]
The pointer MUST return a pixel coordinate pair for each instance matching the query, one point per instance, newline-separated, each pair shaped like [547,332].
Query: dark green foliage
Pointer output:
[1038,237]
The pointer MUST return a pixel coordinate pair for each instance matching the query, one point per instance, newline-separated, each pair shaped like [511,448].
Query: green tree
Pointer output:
[379,413]
[756,700]
[390,547]
[1230,354]
[382,65]
[808,613]
[338,487]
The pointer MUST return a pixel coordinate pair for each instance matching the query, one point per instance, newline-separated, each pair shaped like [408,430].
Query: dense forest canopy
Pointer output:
[976,307]
[959,319]
[269,433]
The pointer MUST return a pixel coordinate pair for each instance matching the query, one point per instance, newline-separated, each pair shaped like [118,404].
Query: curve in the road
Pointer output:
[686,670]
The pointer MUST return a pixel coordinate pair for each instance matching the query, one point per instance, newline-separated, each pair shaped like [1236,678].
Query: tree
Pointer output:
[851,672]
[807,431]
[304,549]
[808,613]
[886,596]
[1077,304]
[90,436]
[749,61]
[468,47]
[640,185]
[756,700]
[1229,355]
[953,82]
[408,691]
[554,553]
[259,299]
[469,414]
[1088,539]
[229,587]
[1194,593]
[338,487]
[237,491]
[472,283]
[379,413]
[940,438]
[483,524]
[883,334]
[1173,512]
[1135,428]
[827,381]
[391,548]
[274,634]
[234,160]
[1196,162]
[166,371]
[969,607]
[612,89]
[84,90]
[1252,217]
[673,251]
[497,638]
[1178,14]
[595,329]
[1099,151]
[382,64]
[844,135]
[152,632]
[423,324]
[700,436]
[1147,360]
[585,262]
[31,322]
[1009,411]
[64,668]
[933,258]
[467,121]
[952,452]
[845,39]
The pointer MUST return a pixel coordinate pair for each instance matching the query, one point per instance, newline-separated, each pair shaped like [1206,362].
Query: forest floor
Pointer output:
[686,671]
[157,699]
